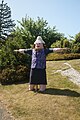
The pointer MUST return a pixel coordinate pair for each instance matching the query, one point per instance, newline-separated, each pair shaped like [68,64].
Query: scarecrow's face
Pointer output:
[39,46]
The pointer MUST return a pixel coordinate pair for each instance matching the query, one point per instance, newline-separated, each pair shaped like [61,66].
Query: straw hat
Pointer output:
[39,40]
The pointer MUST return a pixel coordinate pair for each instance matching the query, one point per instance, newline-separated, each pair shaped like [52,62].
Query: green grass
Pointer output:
[60,101]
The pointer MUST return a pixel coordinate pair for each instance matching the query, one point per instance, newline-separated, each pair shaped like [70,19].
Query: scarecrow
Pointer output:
[38,64]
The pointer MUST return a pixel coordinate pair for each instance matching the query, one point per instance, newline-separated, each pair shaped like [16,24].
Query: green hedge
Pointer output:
[17,75]
[59,56]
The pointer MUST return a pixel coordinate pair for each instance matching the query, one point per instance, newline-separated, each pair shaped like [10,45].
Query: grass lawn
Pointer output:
[60,101]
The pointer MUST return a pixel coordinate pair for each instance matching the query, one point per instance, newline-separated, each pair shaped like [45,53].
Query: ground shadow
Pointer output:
[63,92]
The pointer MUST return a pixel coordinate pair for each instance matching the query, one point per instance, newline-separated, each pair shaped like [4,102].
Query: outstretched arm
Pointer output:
[57,49]
[23,51]
[20,50]
[61,50]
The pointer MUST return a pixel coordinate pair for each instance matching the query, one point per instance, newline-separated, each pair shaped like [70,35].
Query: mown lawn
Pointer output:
[60,101]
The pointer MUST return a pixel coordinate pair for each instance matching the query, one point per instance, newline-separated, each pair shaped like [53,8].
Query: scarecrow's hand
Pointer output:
[16,50]
[57,49]
[20,50]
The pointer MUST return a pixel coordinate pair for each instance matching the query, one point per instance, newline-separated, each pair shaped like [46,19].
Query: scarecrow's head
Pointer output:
[39,43]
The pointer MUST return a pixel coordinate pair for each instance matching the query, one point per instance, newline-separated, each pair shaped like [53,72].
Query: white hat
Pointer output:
[39,40]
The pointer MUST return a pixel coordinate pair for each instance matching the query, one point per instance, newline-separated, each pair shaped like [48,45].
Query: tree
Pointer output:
[30,29]
[77,38]
[6,23]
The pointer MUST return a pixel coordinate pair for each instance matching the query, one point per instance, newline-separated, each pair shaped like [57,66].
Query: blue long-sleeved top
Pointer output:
[38,57]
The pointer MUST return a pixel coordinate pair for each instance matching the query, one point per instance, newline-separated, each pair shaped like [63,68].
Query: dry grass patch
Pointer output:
[75,64]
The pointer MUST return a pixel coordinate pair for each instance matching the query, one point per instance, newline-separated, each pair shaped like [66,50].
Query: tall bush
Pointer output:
[13,65]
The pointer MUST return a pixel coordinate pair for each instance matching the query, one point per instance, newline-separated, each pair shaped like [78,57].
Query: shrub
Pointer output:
[14,67]
[59,56]
[10,75]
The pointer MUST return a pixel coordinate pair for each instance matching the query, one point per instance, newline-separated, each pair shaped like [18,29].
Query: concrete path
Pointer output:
[71,73]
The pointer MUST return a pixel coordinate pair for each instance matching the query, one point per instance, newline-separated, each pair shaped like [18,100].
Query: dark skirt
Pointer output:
[38,76]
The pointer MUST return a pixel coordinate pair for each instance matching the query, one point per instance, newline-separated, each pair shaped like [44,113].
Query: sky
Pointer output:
[64,14]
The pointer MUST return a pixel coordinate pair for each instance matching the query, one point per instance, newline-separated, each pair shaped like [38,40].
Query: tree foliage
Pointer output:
[77,38]
[30,29]
[6,23]
[75,46]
